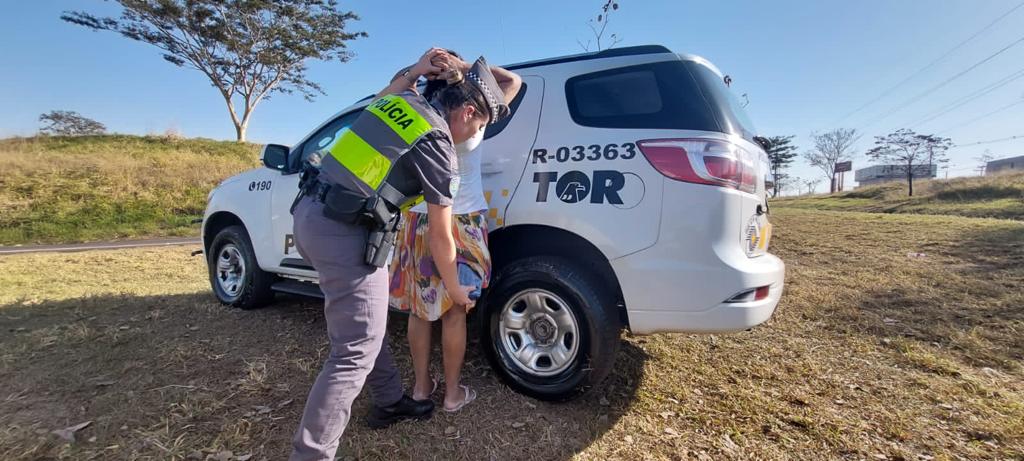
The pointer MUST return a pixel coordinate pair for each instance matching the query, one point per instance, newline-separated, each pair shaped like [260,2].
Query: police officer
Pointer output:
[399,151]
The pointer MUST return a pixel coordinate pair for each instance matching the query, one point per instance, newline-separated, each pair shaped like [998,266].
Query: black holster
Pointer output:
[383,231]
[352,207]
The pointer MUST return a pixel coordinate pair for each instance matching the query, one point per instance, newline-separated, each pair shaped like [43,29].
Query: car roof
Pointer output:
[603,54]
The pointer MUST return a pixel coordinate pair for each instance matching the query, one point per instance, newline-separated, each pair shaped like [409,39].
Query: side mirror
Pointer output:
[275,157]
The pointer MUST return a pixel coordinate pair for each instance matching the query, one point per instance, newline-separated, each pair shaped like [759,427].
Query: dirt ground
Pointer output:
[898,337]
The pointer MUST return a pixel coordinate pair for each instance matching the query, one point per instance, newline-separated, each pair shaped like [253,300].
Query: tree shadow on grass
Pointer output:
[179,375]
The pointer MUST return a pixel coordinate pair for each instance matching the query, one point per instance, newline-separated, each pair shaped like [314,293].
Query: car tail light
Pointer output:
[756,294]
[703,161]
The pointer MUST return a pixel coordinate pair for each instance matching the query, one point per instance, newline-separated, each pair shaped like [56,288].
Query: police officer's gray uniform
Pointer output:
[355,287]
[356,302]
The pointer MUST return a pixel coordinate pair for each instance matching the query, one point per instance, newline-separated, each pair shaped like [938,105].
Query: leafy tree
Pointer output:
[598,27]
[935,148]
[781,153]
[249,49]
[909,149]
[830,148]
[69,123]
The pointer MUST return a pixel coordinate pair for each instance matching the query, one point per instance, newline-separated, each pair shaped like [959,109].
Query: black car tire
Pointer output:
[592,306]
[246,286]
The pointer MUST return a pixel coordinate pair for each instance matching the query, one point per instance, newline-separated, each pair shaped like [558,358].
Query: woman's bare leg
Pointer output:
[453,342]
[419,348]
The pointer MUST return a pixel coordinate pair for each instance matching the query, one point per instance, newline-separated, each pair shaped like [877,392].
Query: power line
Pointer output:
[942,84]
[930,65]
[971,97]
[983,116]
[989,142]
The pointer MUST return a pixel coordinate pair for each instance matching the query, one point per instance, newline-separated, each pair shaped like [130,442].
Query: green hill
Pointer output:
[74,189]
[999,196]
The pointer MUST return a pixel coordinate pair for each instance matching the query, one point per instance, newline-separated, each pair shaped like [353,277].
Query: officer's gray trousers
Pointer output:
[356,309]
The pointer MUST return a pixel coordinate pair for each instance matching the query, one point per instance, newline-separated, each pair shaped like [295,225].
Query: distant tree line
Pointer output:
[904,148]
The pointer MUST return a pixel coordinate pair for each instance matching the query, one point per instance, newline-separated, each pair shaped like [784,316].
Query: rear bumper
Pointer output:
[684,304]
[721,318]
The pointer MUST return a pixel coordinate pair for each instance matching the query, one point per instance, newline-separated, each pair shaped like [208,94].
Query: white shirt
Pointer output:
[470,196]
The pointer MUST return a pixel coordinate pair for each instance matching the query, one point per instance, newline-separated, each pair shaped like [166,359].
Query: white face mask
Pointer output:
[470,144]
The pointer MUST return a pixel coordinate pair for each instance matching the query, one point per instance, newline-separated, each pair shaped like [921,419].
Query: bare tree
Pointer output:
[249,49]
[911,151]
[787,182]
[983,160]
[830,148]
[69,123]
[598,27]
[811,184]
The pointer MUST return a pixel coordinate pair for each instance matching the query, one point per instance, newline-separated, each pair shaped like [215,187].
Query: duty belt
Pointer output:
[376,214]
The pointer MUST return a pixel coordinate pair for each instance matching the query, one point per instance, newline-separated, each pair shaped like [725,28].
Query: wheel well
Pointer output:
[516,242]
[216,223]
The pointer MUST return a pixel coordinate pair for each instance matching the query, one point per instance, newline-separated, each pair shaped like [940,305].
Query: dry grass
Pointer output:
[1000,196]
[873,354]
[59,189]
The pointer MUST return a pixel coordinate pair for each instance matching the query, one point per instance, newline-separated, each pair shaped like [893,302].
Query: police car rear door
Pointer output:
[506,146]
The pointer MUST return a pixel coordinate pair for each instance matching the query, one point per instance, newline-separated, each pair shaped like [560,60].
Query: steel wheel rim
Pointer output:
[230,270]
[539,332]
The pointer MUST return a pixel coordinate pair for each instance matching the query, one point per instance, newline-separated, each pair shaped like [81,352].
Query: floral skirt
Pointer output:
[415,282]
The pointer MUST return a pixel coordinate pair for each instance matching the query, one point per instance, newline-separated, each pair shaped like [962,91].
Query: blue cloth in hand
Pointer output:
[469,278]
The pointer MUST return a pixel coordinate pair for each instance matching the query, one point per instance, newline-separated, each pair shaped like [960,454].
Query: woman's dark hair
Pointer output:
[453,95]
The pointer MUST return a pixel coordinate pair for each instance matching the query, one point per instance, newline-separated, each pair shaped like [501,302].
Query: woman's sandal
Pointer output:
[470,396]
[436,382]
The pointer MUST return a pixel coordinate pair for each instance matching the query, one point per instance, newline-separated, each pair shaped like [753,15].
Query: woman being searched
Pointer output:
[416,284]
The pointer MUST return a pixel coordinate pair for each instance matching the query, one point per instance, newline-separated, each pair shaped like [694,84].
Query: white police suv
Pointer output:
[625,190]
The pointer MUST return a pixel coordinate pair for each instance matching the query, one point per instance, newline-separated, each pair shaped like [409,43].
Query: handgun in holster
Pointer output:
[383,231]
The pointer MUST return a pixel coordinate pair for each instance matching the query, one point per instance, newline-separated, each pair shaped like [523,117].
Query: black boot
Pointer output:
[406,408]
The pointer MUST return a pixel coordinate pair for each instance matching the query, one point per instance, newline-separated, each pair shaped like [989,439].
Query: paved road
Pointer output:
[7,250]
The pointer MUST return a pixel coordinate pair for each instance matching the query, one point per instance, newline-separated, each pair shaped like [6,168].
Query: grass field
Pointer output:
[980,197]
[898,337]
[61,189]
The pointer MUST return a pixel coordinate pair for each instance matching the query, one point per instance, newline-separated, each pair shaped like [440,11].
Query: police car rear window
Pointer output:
[666,95]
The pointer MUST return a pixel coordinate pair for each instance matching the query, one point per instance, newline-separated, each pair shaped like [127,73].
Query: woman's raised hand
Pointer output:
[430,63]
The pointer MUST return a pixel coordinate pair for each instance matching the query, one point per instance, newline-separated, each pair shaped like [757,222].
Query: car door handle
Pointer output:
[490,168]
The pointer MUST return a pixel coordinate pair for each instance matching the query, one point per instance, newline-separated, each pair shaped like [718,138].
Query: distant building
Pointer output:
[886,173]
[1005,165]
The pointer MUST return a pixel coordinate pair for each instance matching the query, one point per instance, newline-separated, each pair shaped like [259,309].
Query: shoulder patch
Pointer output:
[453,185]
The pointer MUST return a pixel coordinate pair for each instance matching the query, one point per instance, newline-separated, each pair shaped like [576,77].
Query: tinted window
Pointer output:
[673,95]
[723,101]
[498,127]
[325,136]
[659,95]
[620,94]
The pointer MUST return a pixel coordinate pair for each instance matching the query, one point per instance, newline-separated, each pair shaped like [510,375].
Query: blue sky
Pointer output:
[804,65]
